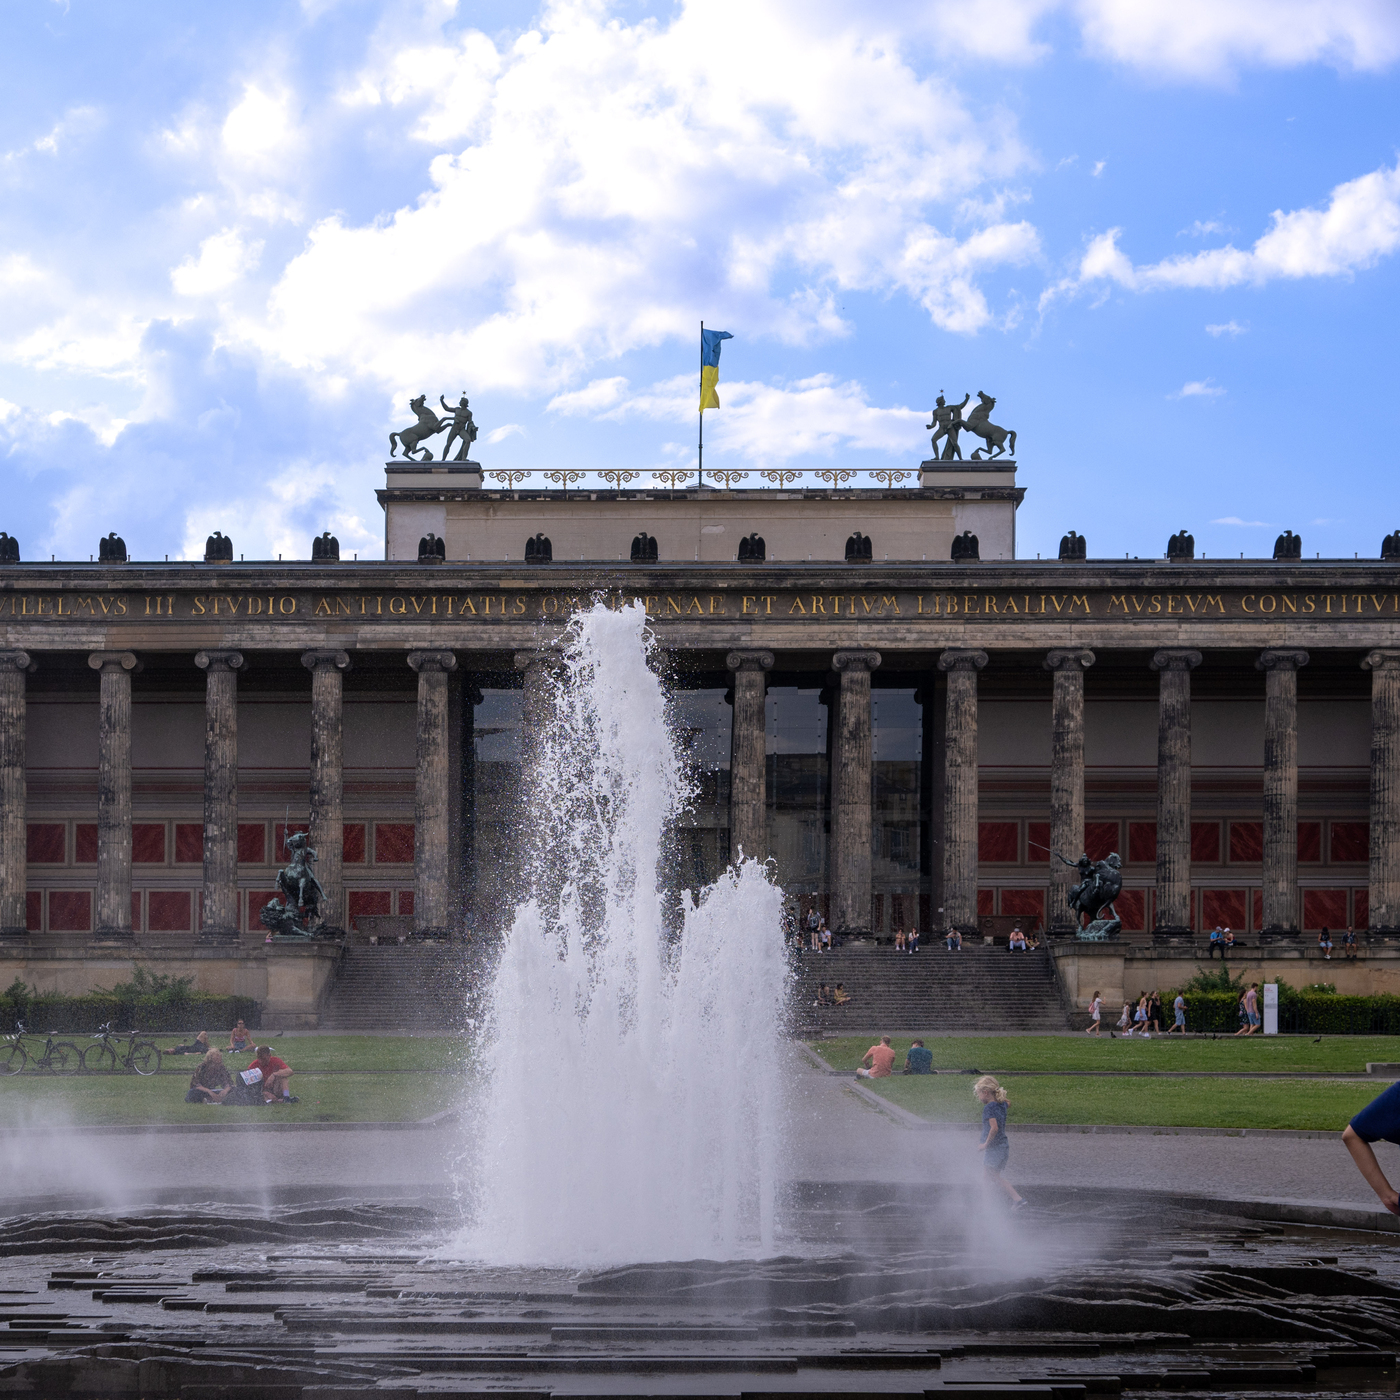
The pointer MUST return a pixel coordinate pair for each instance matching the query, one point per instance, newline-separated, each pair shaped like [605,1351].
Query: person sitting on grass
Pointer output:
[239,1038]
[276,1075]
[198,1046]
[211,1082]
[878,1061]
[919,1060]
[1379,1120]
[841,997]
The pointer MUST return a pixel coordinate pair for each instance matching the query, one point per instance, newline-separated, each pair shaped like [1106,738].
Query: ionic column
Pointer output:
[1066,777]
[328,779]
[1281,788]
[850,794]
[14,666]
[1384,667]
[221,670]
[113,921]
[748,774]
[1174,666]
[960,788]
[431,794]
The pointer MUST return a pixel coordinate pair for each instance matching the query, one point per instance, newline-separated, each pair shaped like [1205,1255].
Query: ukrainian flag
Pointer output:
[709,367]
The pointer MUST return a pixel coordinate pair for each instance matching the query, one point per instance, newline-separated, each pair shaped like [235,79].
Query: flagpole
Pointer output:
[700,475]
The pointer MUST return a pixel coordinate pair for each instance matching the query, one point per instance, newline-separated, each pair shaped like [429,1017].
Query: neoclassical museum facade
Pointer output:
[910,738]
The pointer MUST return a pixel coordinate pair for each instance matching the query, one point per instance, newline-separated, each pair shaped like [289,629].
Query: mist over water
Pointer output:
[630,1105]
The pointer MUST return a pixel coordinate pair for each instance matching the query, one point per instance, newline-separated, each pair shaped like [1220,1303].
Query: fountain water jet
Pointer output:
[630,1108]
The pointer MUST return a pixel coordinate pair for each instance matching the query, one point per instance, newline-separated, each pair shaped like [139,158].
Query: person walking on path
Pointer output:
[1154,1012]
[1179,1015]
[1251,1009]
[1379,1120]
[878,1061]
[1095,1012]
[994,1146]
[1125,1021]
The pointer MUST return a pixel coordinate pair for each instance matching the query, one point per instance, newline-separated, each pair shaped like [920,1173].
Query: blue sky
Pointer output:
[234,241]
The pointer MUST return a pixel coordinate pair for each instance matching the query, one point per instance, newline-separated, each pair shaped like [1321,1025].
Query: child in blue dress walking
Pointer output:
[994,1146]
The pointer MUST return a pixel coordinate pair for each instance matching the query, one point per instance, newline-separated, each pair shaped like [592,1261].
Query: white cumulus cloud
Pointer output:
[1198,389]
[223,259]
[1230,328]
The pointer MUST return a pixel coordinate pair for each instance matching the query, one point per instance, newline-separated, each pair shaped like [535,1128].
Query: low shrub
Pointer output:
[191,1011]
[1309,1011]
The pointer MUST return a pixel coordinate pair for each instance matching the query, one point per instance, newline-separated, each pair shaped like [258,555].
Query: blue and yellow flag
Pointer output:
[709,367]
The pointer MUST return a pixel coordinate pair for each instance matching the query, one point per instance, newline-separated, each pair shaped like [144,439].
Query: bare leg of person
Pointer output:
[1011,1193]
[1366,1164]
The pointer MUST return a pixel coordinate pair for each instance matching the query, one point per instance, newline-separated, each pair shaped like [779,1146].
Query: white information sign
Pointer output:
[1270,1008]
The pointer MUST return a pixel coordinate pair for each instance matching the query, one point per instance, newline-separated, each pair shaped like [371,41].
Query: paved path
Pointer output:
[834,1135]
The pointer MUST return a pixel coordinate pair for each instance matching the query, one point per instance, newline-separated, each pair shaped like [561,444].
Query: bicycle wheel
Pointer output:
[12,1060]
[144,1057]
[99,1057]
[65,1058]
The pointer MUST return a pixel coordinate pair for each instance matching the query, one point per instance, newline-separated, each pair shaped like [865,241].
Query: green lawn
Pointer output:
[35,1097]
[1229,1103]
[35,1101]
[1347,1054]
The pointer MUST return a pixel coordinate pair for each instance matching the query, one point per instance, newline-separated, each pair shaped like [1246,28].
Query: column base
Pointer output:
[1173,934]
[219,938]
[112,938]
[1280,935]
[13,937]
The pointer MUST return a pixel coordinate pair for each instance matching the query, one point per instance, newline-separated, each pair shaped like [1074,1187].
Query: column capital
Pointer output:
[422,661]
[1281,660]
[553,657]
[855,660]
[326,659]
[1073,659]
[16,661]
[1382,659]
[962,659]
[1176,659]
[219,660]
[113,660]
[751,661]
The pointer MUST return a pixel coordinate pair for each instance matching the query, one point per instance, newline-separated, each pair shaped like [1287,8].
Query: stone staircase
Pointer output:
[980,989]
[416,986]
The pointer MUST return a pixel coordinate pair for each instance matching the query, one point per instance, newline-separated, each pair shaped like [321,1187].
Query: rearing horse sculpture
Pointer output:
[979,423]
[427,426]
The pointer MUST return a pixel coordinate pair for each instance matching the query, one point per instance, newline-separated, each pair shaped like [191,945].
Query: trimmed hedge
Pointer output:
[196,1011]
[1303,1013]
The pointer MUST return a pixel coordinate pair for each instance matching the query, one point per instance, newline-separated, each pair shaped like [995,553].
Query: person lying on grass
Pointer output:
[1380,1119]
[276,1076]
[211,1081]
[198,1046]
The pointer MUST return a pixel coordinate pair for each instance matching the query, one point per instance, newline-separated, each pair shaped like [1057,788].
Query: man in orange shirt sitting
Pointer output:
[276,1075]
[878,1061]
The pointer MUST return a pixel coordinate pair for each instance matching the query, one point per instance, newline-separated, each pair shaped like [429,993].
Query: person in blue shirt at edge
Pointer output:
[1217,940]
[1378,1121]
[919,1060]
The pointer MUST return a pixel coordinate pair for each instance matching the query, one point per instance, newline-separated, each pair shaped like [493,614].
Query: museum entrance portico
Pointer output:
[905,750]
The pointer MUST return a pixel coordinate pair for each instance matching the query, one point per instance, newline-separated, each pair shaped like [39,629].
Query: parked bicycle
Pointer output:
[59,1057]
[143,1056]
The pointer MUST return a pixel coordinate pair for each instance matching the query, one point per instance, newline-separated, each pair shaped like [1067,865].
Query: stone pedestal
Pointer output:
[1280,883]
[431,796]
[221,670]
[327,780]
[960,789]
[14,667]
[1066,781]
[748,773]
[112,922]
[1384,903]
[851,795]
[1174,666]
